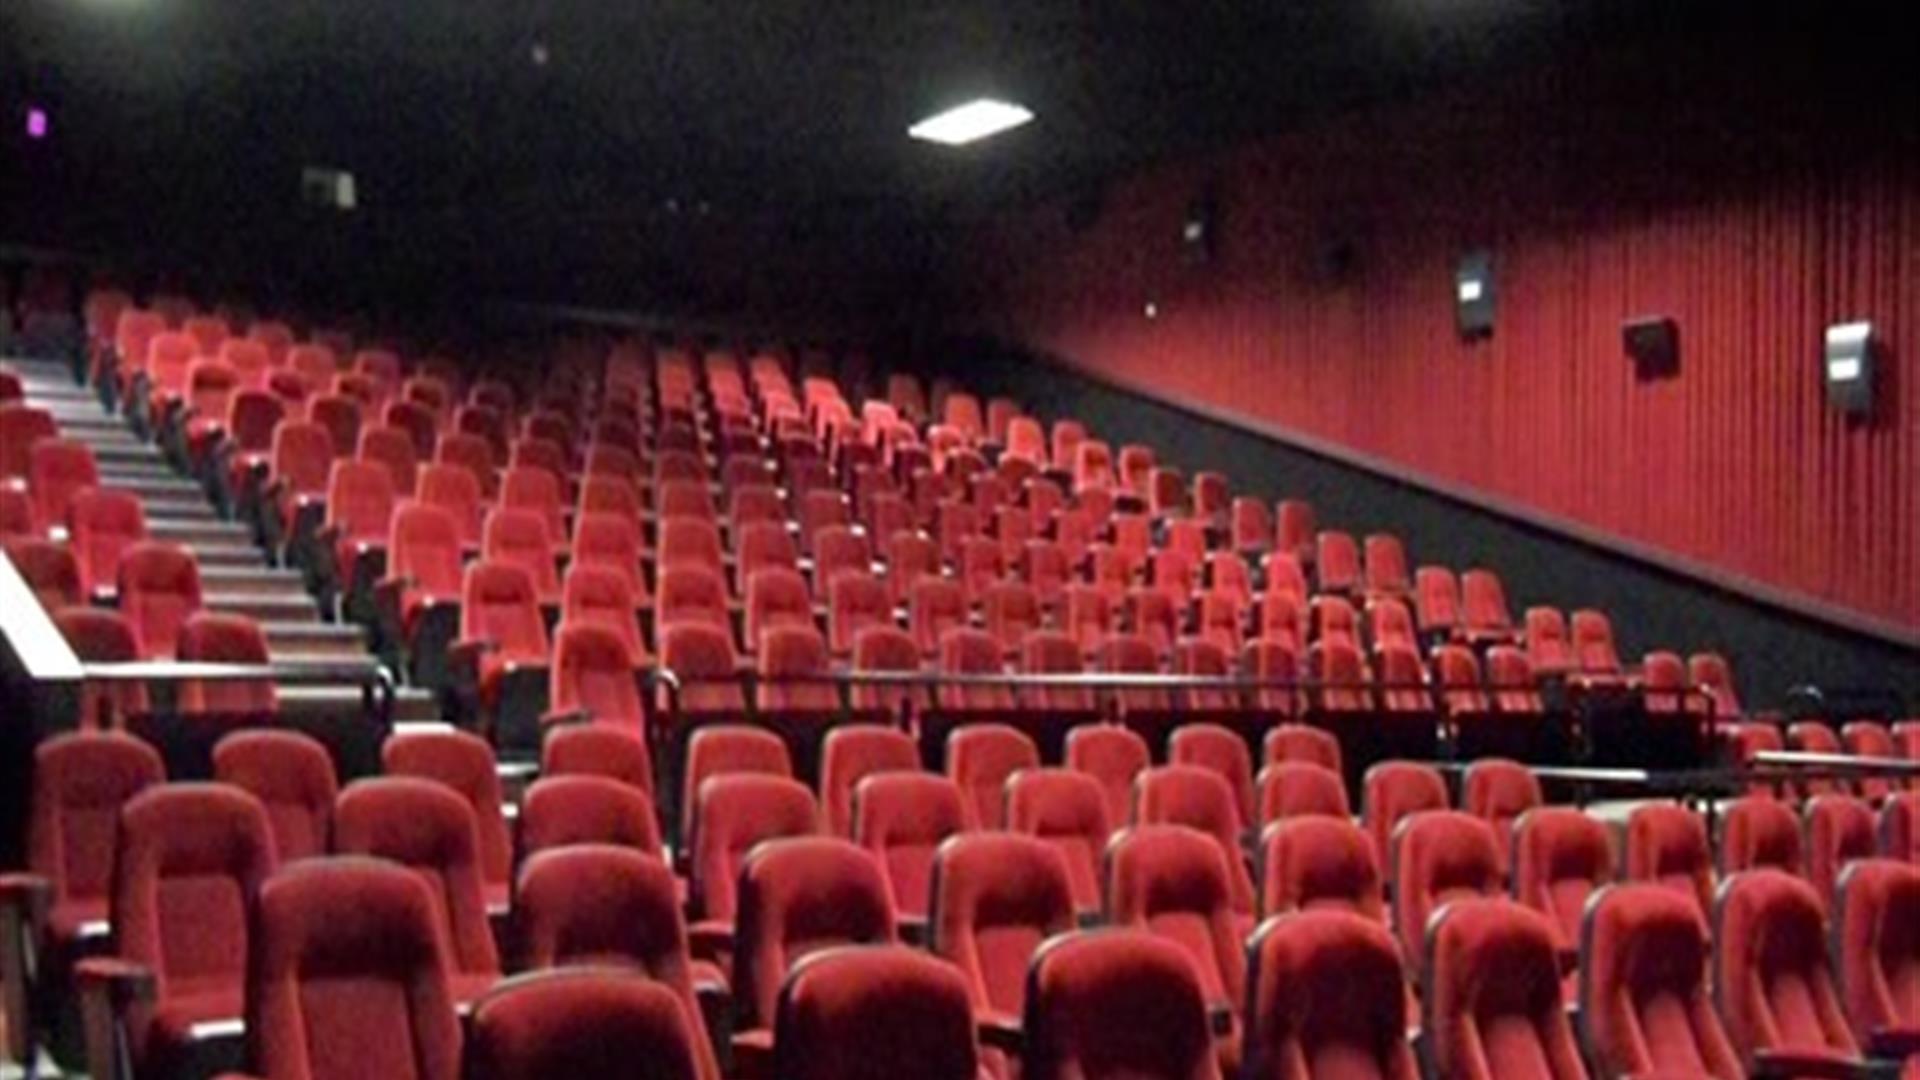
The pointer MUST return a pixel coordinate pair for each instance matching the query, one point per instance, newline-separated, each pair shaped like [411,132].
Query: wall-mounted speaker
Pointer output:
[1653,343]
[1199,231]
[1848,366]
[1473,295]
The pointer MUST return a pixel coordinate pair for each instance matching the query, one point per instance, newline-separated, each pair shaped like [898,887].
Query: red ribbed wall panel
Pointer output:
[1753,242]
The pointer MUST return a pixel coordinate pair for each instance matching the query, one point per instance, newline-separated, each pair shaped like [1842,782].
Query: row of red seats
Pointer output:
[1157,878]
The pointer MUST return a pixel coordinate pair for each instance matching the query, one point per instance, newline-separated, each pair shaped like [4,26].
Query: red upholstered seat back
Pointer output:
[1492,996]
[1116,1003]
[1326,1000]
[293,777]
[995,898]
[1643,987]
[797,896]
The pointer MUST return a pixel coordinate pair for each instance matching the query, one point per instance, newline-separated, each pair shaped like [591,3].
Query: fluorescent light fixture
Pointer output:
[971,122]
[1844,369]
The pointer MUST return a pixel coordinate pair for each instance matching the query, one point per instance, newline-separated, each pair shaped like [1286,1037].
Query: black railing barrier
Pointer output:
[1595,726]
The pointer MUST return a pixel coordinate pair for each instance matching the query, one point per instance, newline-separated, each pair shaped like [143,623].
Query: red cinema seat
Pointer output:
[902,817]
[737,812]
[587,1023]
[1561,858]
[1439,857]
[849,754]
[21,426]
[101,524]
[1773,975]
[1839,830]
[1172,882]
[464,764]
[1498,791]
[722,749]
[519,537]
[996,898]
[97,635]
[428,828]
[1296,968]
[1067,811]
[1290,789]
[1667,845]
[1316,862]
[593,677]
[392,449]
[188,860]
[610,750]
[293,777]
[222,638]
[1900,828]
[1336,562]
[972,652]
[1113,756]
[1116,1004]
[1050,653]
[980,760]
[874,1013]
[1394,790]
[1221,751]
[338,943]
[502,635]
[50,570]
[599,595]
[1758,830]
[1491,1000]
[1644,1001]
[561,811]
[1299,742]
[776,599]
[798,896]
[1876,947]
[57,470]
[159,586]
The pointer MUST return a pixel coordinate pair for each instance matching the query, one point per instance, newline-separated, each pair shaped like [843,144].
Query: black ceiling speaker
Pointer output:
[1473,295]
[1653,343]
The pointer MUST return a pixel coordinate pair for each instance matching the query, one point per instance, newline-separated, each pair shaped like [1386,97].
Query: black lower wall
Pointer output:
[1773,650]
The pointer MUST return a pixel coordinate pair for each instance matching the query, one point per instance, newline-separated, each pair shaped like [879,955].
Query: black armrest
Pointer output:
[1000,1031]
[1890,1042]
[113,995]
[1827,1065]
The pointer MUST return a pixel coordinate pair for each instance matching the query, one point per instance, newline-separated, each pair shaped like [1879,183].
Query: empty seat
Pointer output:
[972,652]
[1592,641]
[1394,790]
[520,537]
[1492,1001]
[1439,857]
[1172,882]
[1549,648]
[1900,827]
[1712,673]
[1760,831]
[101,524]
[557,811]
[222,638]
[337,942]
[1113,756]
[610,750]
[292,776]
[798,896]
[935,605]
[1222,751]
[1049,653]
[1561,857]
[1297,968]
[1483,607]
[462,763]
[902,817]
[392,448]
[97,635]
[21,426]
[1318,862]
[1299,742]
[1511,683]
[691,594]
[456,491]
[428,828]
[1667,845]
[792,668]
[1130,654]
[1290,789]
[1877,952]
[1644,1001]
[1067,811]
[159,586]
[851,753]
[1336,562]
[1114,1004]
[360,503]
[502,632]
[58,469]
[980,758]
[996,898]
[1773,974]
[1012,611]
[738,811]
[1498,791]
[50,570]
[1839,830]
[188,860]
[586,1023]
[877,1012]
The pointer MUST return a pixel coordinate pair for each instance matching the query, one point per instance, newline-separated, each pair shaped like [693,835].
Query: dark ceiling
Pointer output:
[526,131]
[750,106]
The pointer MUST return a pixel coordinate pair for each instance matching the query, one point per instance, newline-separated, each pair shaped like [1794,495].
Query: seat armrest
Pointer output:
[709,939]
[25,900]
[1000,1031]
[1826,1065]
[115,995]
[1893,1042]
[753,1054]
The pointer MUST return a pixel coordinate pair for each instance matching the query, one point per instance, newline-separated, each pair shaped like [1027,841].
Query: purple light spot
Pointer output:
[36,123]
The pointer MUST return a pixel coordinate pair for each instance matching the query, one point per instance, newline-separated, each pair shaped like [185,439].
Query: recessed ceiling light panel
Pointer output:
[971,122]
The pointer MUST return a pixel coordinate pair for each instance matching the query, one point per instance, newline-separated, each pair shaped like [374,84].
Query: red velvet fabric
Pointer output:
[1760,831]
[80,784]
[799,895]
[1876,946]
[1643,988]
[1839,829]
[222,638]
[1199,799]
[850,753]
[902,817]
[995,898]
[1114,1004]
[1318,862]
[1498,791]
[465,763]
[1172,881]
[1326,1001]
[293,777]
[1294,788]
[1067,811]
[1561,857]
[560,810]
[1113,756]
[1773,977]
[1440,857]
[349,978]
[1492,1005]
[159,587]
[736,813]
[1393,790]
[1667,845]
[874,1013]
[980,759]
[585,1023]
